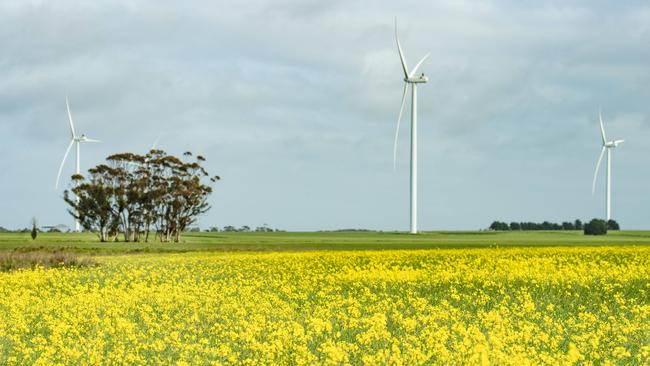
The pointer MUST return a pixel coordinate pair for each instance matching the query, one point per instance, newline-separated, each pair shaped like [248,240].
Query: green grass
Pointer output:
[299,241]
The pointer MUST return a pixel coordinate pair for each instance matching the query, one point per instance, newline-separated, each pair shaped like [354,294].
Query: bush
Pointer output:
[15,260]
[596,227]
[613,225]
[34,232]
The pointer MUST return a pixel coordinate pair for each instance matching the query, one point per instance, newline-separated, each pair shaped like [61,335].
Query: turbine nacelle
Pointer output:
[417,79]
[84,138]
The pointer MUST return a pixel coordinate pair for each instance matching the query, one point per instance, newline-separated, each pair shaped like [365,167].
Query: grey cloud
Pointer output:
[294,105]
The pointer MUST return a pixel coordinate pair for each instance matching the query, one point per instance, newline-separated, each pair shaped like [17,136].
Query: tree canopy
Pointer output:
[136,194]
[596,227]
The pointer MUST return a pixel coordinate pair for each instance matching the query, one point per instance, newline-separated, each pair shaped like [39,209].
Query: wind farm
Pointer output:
[241,210]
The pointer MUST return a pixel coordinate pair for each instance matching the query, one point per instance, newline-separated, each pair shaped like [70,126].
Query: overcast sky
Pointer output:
[294,104]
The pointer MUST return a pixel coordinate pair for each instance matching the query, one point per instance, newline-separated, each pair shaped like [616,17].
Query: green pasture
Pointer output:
[300,241]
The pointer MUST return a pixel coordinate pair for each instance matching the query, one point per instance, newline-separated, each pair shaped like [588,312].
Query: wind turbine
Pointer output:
[413,81]
[607,146]
[75,139]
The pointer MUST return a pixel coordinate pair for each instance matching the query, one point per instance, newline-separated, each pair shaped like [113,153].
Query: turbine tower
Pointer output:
[607,146]
[413,81]
[75,139]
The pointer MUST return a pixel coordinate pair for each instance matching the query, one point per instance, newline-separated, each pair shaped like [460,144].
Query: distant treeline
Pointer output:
[193,229]
[27,230]
[244,229]
[566,225]
[347,230]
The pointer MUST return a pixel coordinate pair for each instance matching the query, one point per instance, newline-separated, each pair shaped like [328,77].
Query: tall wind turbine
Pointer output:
[74,139]
[413,81]
[607,146]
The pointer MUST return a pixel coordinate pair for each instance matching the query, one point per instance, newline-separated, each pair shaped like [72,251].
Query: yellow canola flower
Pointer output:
[506,306]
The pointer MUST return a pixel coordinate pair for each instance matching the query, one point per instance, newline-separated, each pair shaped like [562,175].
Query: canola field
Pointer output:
[500,306]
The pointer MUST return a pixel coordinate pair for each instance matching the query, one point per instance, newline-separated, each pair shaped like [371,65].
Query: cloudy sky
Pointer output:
[294,104]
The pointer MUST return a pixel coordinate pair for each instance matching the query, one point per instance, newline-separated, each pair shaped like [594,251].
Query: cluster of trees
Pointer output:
[244,229]
[138,194]
[576,225]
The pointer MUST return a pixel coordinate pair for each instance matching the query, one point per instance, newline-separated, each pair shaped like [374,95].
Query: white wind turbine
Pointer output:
[607,146]
[75,139]
[412,80]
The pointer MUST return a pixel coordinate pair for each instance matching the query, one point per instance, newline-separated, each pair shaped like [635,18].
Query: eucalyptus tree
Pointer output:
[136,194]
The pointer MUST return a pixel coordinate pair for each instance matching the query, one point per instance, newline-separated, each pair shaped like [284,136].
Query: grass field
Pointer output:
[222,241]
[333,298]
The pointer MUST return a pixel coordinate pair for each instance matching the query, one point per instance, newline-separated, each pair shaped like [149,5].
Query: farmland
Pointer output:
[333,298]
[298,241]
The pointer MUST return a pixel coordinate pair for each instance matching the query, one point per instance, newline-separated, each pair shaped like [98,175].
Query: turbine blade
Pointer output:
[401,53]
[399,119]
[602,128]
[619,142]
[155,143]
[415,69]
[65,156]
[67,105]
[600,159]
[90,140]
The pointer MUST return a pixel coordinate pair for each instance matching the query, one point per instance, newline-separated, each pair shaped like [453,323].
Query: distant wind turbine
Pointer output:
[410,79]
[75,139]
[155,143]
[607,146]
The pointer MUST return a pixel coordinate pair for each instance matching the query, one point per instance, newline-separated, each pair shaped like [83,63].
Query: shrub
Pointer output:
[595,227]
[34,232]
[613,225]
[17,259]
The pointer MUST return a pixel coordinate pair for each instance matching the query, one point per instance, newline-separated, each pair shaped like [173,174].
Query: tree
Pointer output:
[93,203]
[595,227]
[612,225]
[567,226]
[515,226]
[578,225]
[34,232]
[499,226]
